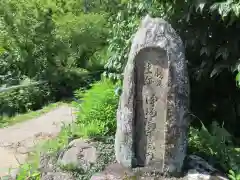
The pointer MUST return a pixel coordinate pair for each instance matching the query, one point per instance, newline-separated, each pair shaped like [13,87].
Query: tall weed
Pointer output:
[217,144]
[97,113]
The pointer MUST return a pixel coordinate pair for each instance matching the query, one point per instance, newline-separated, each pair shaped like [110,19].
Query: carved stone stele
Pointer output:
[152,117]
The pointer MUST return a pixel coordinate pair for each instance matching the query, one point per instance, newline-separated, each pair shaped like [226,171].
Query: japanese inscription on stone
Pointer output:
[152,115]
[150,66]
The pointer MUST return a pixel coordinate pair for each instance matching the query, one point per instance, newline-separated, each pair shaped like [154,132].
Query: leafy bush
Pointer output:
[23,99]
[97,113]
[69,80]
[98,60]
[125,21]
[44,40]
[217,145]
[210,34]
[208,30]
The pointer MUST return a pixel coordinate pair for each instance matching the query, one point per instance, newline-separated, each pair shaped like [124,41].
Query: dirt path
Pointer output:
[16,141]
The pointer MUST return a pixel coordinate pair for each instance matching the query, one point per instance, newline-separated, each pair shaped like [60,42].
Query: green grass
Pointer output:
[8,121]
[96,118]
[45,145]
[51,146]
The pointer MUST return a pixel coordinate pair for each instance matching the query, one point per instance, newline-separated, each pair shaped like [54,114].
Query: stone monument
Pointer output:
[152,117]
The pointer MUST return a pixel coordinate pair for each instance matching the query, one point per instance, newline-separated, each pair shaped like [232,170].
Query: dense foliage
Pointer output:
[20,100]
[97,112]
[97,118]
[209,30]
[210,33]
[69,43]
[48,40]
[217,145]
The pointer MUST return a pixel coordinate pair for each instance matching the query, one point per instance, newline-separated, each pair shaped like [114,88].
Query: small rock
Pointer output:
[193,174]
[199,169]
[198,163]
[78,155]
[49,169]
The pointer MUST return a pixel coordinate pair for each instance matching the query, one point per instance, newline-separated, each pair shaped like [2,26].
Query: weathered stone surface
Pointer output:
[50,171]
[200,169]
[118,172]
[79,155]
[113,172]
[195,175]
[57,176]
[49,162]
[152,117]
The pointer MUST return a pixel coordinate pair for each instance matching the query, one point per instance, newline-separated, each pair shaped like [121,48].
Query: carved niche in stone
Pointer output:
[152,117]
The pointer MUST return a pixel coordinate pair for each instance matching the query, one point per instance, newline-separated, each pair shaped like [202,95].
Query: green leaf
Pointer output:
[236,10]
[218,68]
[238,77]
[200,4]
[238,177]
[231,177]
[2,50]
[214,7]
[231,172]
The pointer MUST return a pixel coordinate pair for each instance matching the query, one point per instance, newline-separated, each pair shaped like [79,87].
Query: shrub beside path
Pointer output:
[18,140]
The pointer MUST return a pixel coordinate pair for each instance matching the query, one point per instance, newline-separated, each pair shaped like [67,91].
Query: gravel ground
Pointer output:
[17,141]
